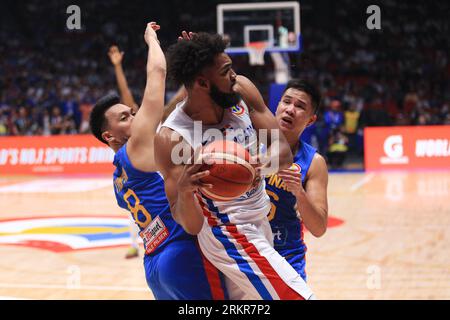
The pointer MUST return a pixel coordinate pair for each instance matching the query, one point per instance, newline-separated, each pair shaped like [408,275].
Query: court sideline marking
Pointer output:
[81,287]
[363,181]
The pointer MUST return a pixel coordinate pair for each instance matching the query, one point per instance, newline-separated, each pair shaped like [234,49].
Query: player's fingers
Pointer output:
[185,35]
[288,176]
[294,184]
[289,173]
[193,168]
[209,161]
[199,175]
[289,179]
[205,185]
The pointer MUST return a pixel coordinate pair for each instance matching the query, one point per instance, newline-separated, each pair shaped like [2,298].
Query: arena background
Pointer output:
[384,128]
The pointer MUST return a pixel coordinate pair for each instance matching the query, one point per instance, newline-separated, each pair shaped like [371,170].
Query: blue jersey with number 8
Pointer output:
[143,195]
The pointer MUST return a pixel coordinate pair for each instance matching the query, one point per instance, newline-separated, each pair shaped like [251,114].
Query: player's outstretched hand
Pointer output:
[186,35]
[115,55]
[150,32]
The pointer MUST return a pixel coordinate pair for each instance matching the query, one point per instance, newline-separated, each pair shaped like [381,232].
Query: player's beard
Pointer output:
[223,99]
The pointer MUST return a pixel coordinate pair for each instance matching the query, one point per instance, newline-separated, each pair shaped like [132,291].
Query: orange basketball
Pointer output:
[231,175]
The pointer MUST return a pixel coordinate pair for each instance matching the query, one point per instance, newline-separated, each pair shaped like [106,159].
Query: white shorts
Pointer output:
[254,270]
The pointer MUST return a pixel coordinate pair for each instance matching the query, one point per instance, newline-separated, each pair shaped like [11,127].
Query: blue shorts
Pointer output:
[298,262]
[180,272]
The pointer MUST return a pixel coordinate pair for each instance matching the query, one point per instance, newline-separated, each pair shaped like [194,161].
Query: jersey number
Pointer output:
[273,208]
[138,207]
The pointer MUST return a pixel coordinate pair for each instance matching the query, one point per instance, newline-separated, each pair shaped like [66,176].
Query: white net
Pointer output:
[256,51]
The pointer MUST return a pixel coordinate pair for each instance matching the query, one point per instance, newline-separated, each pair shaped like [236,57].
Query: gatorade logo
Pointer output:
[393,148]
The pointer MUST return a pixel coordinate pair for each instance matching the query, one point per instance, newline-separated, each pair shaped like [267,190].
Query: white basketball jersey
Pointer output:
[236,126]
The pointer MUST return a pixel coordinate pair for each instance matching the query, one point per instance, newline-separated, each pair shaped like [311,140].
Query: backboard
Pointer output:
[277,23]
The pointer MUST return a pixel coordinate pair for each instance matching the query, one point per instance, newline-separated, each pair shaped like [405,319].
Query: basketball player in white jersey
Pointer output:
[235,235]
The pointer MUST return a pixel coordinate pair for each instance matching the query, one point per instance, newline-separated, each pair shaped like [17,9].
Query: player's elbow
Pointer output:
[319,231]
[157,70]
[193,230]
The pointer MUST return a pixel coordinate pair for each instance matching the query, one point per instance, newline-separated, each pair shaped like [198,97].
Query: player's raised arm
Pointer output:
[140,145]
[180,181]
[116,58]
[262,118]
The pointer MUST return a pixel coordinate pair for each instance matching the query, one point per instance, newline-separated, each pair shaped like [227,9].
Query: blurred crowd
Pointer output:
[399,75]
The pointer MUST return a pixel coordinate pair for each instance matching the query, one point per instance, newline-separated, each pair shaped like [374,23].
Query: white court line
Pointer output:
[363,181]
[81,287]
[12,298]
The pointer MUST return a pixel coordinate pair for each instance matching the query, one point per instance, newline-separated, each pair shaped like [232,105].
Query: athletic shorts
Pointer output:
[253,269]
[297,261]
[181,272]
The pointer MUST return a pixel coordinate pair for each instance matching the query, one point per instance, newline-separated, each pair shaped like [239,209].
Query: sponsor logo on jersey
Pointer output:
[154,234]
[238,110]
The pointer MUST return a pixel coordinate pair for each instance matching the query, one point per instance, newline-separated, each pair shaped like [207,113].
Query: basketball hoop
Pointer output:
[256,51]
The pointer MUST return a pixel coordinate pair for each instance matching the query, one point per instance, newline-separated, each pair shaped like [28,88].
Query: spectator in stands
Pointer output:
[338,148]
[334,118]
[351,117]
[56,121]
[396,76]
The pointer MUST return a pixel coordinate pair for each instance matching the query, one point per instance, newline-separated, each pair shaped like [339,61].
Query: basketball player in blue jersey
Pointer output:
[174,266]
[127,99]
[299,194]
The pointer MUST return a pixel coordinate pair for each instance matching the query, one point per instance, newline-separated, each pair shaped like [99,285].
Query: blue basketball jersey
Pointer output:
[287,228]
[175,268]
[143,195]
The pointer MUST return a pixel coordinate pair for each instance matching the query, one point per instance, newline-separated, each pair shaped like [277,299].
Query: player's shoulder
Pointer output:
[318,166]
[249,94]
[166,138]
[319,160]
[243,79]
[170,143]
[167,132]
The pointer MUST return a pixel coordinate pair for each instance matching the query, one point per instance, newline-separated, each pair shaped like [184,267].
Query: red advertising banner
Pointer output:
[65,154]
[418,147]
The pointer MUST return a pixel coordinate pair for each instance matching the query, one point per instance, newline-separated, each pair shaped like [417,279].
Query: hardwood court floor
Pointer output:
[391,245]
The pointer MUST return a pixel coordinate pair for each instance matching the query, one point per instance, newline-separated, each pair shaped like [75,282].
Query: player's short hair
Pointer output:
[187,58]
[309,88]
[97,120]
